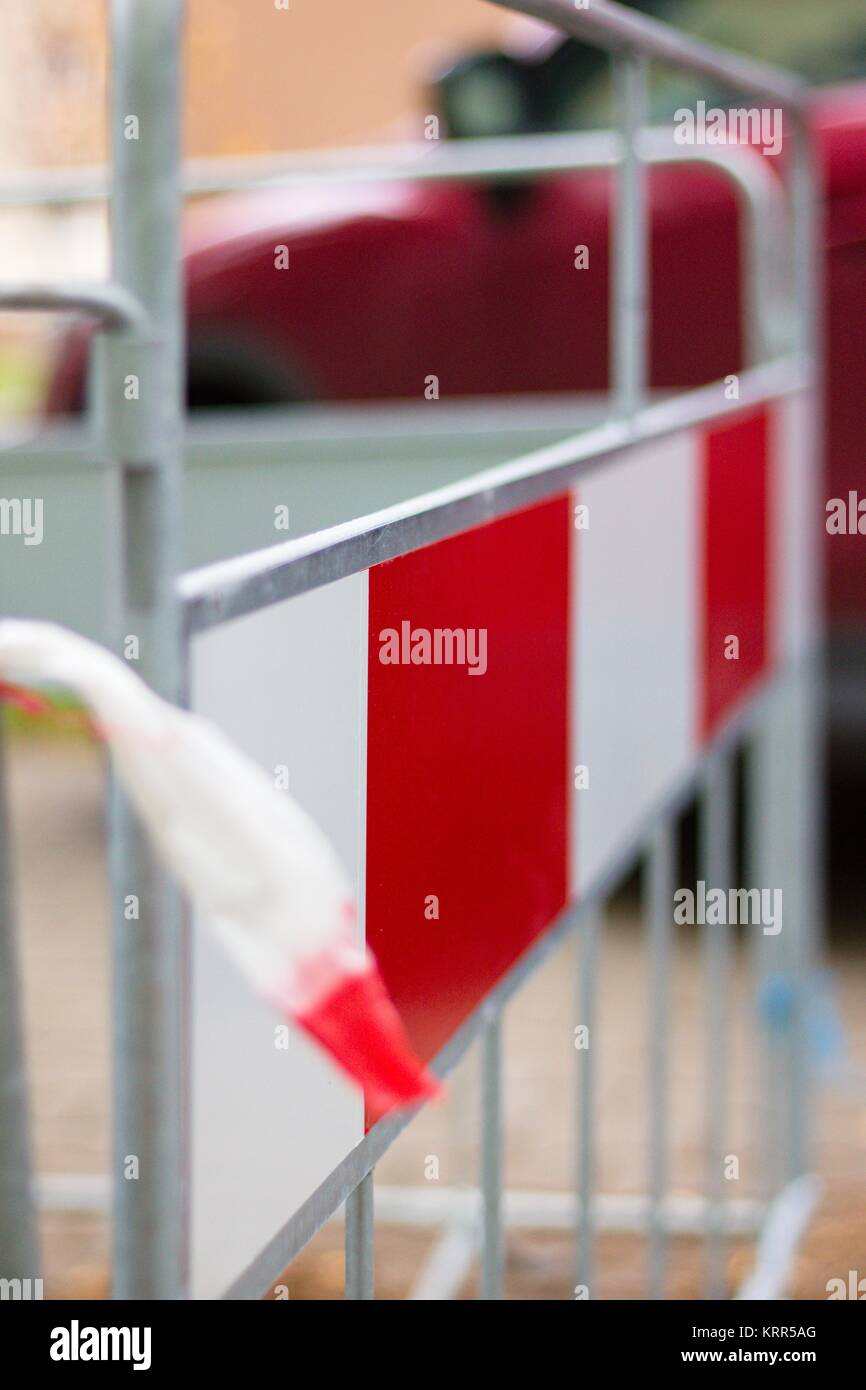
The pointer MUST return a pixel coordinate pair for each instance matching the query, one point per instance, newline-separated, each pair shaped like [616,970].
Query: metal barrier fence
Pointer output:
[140,313]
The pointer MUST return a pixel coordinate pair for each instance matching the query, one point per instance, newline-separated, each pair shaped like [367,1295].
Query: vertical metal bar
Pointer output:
[630,242]
[492,1246]
[586,1074]
[762,811]
[661,893]
[792,748]
[716,868]
[806,214]
[808,683]
[785,786]
[360,1227]
[141,398]
[801,913]
[763,228]
[462,1137]
[19,1244]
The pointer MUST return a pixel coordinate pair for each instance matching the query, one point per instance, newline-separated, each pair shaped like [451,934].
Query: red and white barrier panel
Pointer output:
[480,726]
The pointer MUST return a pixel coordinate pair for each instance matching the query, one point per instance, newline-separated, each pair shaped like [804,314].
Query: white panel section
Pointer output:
[288,684]
[634,643]
[797,520]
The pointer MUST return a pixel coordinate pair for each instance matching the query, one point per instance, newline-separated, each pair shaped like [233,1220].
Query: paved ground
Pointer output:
[57,794]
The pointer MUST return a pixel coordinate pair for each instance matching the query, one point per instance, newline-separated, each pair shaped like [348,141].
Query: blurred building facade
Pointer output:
[259,77]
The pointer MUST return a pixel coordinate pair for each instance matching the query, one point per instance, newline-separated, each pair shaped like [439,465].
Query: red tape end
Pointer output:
[24,700]
[29,702]
[358,1024]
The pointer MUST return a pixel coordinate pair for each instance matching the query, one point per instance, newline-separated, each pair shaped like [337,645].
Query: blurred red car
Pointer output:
[476,284]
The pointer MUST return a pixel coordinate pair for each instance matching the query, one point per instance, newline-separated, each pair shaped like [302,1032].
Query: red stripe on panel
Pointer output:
[467,769]
[735,647]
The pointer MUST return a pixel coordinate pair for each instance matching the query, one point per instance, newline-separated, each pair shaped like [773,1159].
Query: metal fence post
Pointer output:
[762,856]
[785,792]
[587,939]
[360,1227]
[630,242]
[787,757]
[792,765]
[492,1246]
[141,395]
[809,678]
[804,814]
[661,897]
[716,868]
[19,1245]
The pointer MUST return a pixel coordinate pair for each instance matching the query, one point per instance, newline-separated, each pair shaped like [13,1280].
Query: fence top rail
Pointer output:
[231,588]
[609,25]
[503,157]
[614,27]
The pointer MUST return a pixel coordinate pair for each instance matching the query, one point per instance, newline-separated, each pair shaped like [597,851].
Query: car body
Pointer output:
[389,285]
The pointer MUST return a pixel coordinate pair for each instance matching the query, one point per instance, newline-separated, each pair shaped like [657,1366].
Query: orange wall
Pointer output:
[258,78]
[325,72]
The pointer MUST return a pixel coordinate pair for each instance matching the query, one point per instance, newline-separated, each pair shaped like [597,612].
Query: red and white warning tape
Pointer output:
[254,864]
